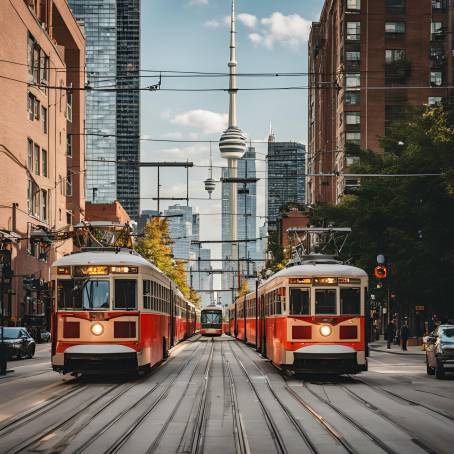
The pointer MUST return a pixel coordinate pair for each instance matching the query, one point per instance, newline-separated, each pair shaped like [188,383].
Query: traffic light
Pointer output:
[381,272]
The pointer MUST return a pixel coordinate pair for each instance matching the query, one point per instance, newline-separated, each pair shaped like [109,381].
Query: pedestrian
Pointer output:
[390,333]
[404,334]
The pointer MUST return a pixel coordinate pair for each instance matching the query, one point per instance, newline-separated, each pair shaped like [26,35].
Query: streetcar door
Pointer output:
[262,325]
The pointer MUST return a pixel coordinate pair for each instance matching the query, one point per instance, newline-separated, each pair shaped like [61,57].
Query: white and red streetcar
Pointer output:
[113,311]
[307,318]
[211,321]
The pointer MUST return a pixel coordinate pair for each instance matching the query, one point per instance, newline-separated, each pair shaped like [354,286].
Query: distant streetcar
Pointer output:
[211,321]
[113,311]
[307,318]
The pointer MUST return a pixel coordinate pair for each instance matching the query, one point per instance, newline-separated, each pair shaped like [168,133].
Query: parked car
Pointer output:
[45,336]
[20,343]
[440,351]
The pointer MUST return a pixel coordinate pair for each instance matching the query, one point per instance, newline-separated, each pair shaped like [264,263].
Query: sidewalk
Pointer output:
[380,346]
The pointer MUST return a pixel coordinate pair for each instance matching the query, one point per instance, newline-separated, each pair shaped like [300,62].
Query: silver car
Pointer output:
[440,351]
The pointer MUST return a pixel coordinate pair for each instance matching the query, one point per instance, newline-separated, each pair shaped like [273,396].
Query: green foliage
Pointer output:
[244,288]
[155,245]
[409,220]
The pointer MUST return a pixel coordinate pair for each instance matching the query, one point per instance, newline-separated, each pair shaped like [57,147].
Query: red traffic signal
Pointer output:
[381,272]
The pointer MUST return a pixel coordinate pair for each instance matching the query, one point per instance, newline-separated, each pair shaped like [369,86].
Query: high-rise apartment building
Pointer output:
[286,164]
[368,60]
[246,222]
[179,219]
[112,30]
[41,143]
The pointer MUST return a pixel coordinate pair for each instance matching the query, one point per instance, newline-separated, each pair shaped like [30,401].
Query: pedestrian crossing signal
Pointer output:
[381,272]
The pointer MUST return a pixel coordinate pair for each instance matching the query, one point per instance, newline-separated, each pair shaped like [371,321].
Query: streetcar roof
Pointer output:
[320,269]
[212,308]
[103,258]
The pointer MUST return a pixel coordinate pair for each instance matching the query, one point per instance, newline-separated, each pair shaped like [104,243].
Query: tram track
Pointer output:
[274,430]
[119,442]
[239,432]
[152,448]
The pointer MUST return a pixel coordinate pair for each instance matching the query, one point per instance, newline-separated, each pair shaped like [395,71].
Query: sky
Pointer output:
[193,35]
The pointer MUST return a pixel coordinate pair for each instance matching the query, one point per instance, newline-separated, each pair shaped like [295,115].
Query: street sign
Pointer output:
[380,259]
[419,308]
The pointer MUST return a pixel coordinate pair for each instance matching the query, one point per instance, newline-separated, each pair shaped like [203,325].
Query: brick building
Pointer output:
[113,212]
[41,146]
[368,59]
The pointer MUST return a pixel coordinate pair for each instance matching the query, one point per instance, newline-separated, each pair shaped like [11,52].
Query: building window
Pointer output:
[353,138]
[69,145]
[33,199]
[30,155]
[37,159]
[44,119]
[31,106]
[353,56]
[393,55]
[69,218]
[436,30]
[354,5]
[439,4]
[353,81]
[395,6]
[435,101]
[69,183]
[44,162]
[353,31]
[352,118]
[69,105]
[394,28]
[30,53]
[436,78]
[352,98]
[43,216]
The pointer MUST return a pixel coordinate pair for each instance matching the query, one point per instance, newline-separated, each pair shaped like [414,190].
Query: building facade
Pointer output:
[112,30]
[179,219]
[368,60]
[286,172]
[41,144]
[246,224]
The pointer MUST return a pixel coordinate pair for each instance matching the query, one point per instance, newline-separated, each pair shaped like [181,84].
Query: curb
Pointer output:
[395,353]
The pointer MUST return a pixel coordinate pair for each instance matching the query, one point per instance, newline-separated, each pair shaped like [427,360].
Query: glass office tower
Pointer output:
[112,31]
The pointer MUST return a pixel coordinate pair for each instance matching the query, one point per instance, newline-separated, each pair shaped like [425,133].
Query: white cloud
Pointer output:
[207,121]
[249,20]
[292,30]
[213,23]
[198,2]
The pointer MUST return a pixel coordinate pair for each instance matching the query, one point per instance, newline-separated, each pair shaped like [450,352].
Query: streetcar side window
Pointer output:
[147,294]
[125,294]
[299,301]
[67,297]
[350,301]
[325,301]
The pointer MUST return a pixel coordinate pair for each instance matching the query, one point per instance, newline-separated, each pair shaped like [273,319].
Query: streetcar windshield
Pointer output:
[350,299]
[325,301]
[83,294]
[299,301]
[211,318]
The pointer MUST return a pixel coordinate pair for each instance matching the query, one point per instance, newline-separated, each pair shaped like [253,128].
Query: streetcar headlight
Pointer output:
[97,329]
[325,330]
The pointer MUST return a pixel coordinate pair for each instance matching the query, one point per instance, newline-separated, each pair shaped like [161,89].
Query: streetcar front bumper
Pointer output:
[328,359]
[98,358]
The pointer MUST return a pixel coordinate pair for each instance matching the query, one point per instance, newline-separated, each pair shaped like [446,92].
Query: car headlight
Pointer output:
[325,330]
[97,329]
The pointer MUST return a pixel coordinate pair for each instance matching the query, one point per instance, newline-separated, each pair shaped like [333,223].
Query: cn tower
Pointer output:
[232,144]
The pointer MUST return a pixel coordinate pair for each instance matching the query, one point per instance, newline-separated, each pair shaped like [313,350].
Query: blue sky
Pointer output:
[192,35]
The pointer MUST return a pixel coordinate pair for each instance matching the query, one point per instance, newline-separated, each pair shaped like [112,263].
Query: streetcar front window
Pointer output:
[350,301]
[325,301]
[83,294]
[211,318]
[299,301]
[125,294]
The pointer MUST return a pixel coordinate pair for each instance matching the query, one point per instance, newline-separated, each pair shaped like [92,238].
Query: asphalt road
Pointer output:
[221,396]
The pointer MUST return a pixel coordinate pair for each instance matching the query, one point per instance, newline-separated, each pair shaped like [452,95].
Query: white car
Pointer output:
[440,351]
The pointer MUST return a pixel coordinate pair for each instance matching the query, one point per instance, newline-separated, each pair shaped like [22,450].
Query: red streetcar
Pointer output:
[114,311]
[308,317]
[211,318]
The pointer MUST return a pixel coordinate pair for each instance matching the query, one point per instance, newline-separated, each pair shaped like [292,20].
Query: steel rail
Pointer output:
[286,410]
[279,442]
[164,428]
[376,440]
[239,432]
[116,446]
